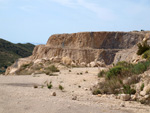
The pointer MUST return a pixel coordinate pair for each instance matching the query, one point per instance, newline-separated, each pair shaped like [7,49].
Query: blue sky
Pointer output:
[35,20]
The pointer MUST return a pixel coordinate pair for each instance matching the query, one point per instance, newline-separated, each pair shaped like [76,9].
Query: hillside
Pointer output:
[9,52]
[84,49]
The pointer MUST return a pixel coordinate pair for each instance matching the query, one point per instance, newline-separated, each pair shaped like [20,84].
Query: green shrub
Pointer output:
[142,47]
[69,70]
[128,90]
[81,73]
[124,64]
[111,86]
[101,73]
[35,86]
[114,72]
[96,92]
[142,87]
[61,87]
[146,55]
[49,86]
[48,73]
[52,68]
[140,67]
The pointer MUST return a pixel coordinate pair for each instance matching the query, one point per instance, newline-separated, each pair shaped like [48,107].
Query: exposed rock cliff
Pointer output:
[87,46]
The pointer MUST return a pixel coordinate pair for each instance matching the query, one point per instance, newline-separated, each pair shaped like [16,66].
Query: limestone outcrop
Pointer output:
[87,47]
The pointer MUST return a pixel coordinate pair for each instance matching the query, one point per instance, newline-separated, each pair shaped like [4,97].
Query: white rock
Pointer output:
[73,64]
[99,95]
[83,64]
[147,89]
[38,61]
[125,97]
[66,60]
[112,96]
[100,64]
[88,65]
[122,104]
[133,97]
[92,64]
[51,59]
[146,96]
[143,93]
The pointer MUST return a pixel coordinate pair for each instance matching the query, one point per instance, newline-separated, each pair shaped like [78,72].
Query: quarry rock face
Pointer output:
[86,47]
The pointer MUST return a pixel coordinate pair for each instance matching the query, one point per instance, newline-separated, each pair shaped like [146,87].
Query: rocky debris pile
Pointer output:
[28,67]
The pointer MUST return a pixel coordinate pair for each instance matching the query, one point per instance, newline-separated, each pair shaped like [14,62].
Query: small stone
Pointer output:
[85,89]
[99,95]
[104,95]
[68,106]
[118,97]
[125,97]
[33,74]
[147,89]
[146,96]
[143,93]
[122,105]
[54,94]
[88,65]
[74,98]
[112,95]
[133,97]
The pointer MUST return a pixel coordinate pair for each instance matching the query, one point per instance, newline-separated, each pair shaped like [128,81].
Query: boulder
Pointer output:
[100,64]
[133,97]
[66,60]
[147,89]
[83,64]
[143,93]
[93,64]
[73,64]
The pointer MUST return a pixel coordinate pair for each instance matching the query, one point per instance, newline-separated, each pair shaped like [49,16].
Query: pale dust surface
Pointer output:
[18,95]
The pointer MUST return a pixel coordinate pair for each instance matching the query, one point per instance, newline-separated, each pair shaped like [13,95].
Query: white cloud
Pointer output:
[101,12]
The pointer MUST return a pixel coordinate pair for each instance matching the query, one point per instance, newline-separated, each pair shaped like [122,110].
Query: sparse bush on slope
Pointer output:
[146,55]
[121,71]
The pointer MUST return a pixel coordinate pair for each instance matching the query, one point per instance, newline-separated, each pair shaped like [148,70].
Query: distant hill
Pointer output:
[9,52]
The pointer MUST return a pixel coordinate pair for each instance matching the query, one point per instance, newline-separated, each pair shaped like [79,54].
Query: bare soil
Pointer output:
[18,95]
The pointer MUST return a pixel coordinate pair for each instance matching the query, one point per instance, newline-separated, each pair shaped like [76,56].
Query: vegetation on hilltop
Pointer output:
[10,52]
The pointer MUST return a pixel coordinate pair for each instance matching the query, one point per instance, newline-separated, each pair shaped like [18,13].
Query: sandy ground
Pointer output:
[18,95]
